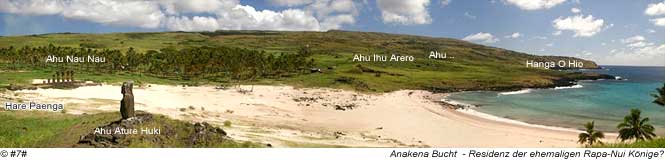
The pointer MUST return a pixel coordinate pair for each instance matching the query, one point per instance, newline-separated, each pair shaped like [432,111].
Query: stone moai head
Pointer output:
[127,87]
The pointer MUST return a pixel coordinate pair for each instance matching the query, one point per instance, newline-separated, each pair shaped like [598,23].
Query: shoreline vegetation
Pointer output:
[292,89]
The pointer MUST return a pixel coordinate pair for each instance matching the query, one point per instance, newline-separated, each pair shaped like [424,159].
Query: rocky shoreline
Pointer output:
[566,81]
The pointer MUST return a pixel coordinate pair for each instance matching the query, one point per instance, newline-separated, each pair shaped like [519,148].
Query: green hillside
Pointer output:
[475,67]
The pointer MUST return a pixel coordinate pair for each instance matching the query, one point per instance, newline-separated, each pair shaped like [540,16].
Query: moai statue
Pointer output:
[62,76]
[54,79]
[127,102]
[67,75]
[58,77]
[71,76]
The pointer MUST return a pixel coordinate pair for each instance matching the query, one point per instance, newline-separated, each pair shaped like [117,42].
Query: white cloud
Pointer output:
[549,44]
[587,53]
[633,39]
[514,35]
[658,22]
[584,54]
[31,7]
[175,7]
[290,3]
[535,4]
[193,15]
[539,37]
[332,14]
[324,8]
[655,9]
[194,24]
[653,50]
[246,17]
[575,10]
[639,44]
[556,33]
[648,56]
[336,22]
[145,14]
[481,37]
[636,42]
[651,31]
[404,12]
[582,26]
[468,15]
[445,2]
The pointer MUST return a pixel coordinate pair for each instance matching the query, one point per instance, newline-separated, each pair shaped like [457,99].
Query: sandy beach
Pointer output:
[284,116]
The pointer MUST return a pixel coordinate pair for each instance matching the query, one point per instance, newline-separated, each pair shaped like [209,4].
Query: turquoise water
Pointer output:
[604,101]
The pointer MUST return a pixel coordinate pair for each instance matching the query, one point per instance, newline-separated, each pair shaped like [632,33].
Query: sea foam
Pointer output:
[516,92]
[569,87]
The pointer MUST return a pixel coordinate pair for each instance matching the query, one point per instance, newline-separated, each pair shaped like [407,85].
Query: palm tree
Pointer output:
[635,127]
[660,97]
[591,136]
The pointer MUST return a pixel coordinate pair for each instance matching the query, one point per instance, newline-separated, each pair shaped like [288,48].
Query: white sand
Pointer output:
[270,114]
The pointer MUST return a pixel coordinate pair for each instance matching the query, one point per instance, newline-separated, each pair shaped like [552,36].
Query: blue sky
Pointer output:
[611,32]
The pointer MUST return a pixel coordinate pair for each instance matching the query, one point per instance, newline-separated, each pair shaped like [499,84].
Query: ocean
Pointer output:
[604,101]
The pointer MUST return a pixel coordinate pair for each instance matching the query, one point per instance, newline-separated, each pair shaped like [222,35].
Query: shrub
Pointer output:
[91,45]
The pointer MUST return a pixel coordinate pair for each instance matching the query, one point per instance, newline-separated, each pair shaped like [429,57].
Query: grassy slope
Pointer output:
[44,129]
[475,66]
[48,129]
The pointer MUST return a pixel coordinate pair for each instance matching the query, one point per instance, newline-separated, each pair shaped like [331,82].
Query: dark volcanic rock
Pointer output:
[204,133]
[569,79]
[110,138]
[172,134]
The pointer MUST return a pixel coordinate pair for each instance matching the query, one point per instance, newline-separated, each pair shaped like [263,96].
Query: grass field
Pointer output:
[28,129]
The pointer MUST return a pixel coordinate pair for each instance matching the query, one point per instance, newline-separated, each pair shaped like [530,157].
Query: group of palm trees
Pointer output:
[204,62]
[633,127]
